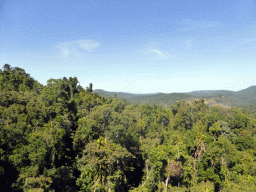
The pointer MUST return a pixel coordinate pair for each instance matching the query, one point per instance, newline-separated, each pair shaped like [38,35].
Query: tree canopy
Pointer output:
[62,137]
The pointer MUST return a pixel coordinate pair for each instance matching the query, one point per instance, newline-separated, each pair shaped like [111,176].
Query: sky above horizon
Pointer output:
[133,46]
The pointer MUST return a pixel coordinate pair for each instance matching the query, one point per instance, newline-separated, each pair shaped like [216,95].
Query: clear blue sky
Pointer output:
[143,46]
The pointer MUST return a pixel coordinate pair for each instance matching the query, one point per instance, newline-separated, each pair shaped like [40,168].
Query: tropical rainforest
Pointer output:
[62,137]
[223,98]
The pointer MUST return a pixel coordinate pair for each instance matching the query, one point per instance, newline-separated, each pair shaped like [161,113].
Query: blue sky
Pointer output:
[143,46]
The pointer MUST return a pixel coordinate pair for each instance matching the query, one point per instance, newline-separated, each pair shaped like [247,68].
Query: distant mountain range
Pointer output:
[223,98]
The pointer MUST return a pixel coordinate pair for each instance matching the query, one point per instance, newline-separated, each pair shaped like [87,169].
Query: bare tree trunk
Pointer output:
[147,172]
[117,164]
[168,177]
[166,182]
[146,165]
[105,134]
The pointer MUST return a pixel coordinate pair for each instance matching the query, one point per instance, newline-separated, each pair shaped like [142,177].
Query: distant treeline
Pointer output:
[222,98]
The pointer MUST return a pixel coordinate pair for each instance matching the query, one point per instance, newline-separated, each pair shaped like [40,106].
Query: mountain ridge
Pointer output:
[224,98]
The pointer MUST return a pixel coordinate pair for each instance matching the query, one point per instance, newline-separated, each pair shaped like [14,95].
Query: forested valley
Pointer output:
[62,137]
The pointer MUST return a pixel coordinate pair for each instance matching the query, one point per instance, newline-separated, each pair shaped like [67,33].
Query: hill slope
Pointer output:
[224,98]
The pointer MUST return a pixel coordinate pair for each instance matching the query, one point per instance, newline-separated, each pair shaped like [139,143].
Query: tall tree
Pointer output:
[7,67]
[73,85]
[89,89]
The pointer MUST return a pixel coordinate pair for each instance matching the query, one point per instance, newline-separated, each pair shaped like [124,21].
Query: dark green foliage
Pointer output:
[62,137]
[89,89]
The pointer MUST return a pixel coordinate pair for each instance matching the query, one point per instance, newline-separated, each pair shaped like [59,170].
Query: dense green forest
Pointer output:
[62,137]
[222,98]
